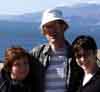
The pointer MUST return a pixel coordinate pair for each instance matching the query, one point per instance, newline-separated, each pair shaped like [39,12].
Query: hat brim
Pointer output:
[54,19]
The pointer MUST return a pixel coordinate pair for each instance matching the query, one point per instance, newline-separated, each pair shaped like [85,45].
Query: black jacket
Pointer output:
[9,85]
[42,53]
[93,85]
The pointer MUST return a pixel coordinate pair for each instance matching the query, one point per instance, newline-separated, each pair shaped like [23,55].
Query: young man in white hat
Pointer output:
[58,73]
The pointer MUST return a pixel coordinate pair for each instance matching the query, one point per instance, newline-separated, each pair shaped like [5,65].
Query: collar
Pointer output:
[47,49]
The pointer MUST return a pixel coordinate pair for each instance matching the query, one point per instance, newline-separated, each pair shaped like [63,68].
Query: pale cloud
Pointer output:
[25,6]
[90,1]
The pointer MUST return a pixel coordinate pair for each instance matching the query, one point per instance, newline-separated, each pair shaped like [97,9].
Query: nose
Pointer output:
[51,30]
[82,59]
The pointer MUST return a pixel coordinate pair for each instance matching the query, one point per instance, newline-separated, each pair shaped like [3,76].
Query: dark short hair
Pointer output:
[85,42]
[15,53]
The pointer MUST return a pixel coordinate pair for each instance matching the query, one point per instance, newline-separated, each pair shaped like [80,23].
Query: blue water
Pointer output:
[29,39]
[28,35]
[25,39]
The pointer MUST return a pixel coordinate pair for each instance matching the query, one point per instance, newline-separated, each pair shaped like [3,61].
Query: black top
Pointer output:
[93,85]
[42,54]
[29,84]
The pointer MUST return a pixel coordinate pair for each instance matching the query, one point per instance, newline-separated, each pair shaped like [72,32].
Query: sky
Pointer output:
[17,7]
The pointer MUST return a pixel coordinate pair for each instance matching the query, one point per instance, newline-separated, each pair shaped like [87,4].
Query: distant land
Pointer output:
[24,29]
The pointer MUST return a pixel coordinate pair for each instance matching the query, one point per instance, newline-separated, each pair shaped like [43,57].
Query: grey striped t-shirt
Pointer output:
[55,80]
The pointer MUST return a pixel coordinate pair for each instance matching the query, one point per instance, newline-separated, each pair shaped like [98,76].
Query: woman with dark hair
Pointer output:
[85,52]
[17,73]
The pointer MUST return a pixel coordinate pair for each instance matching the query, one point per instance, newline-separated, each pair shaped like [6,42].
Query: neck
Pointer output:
[91,70]
[58,45]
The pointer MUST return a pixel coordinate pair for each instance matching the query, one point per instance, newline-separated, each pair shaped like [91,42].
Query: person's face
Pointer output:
[85,59]
[20,69]
[54,31]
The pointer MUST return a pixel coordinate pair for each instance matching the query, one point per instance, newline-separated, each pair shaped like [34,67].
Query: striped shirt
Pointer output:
[55,80]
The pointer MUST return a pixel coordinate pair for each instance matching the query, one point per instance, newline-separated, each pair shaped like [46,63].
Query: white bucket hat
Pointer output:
[52,15]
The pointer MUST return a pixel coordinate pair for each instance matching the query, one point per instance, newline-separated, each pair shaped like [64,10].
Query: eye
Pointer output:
[16,64]
[26,63]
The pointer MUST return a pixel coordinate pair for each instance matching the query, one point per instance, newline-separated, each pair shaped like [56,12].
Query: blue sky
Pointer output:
[17,7]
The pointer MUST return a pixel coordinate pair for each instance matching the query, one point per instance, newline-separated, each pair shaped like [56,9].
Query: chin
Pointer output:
[84,68]
[52,41]
[21,78]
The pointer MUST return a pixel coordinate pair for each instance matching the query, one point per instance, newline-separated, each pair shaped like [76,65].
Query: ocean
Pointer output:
[28,39]
[25,39]
[29,36]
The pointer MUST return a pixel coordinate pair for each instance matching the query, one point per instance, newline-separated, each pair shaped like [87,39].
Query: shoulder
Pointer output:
[97,74]
[3,80]
[96,79]
[69,49]
[94,84]
[37,50]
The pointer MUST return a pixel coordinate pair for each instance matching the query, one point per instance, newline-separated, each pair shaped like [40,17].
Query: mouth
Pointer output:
[53,34]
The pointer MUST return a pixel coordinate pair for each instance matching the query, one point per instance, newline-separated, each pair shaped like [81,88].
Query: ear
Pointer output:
[65,26]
